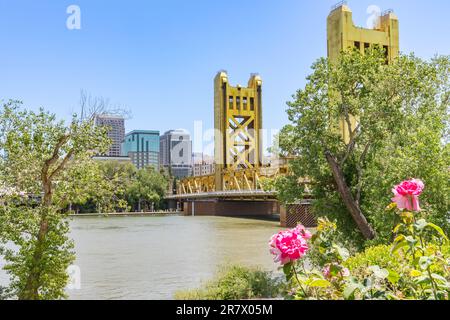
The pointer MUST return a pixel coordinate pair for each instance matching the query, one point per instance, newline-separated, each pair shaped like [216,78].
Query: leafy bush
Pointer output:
[378,255]
[234,283]
[416,266]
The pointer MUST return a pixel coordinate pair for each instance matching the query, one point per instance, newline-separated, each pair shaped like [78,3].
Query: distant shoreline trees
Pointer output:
[121,187]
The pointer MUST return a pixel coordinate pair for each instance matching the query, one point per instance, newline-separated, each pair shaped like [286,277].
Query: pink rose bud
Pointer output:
[406,194]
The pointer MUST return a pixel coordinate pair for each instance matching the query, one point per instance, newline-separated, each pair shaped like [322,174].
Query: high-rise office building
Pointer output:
[176,152]
[142,147]
[116,132]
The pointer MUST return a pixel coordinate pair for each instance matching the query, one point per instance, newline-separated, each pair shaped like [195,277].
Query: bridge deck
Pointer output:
[224,195]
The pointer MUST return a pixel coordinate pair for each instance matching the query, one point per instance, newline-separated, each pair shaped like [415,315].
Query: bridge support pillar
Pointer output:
[299,213]
[230,208]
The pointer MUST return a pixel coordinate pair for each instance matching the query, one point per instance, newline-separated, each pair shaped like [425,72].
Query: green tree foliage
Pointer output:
[402,131]
[114,179]
[119,186]
[148,187]
[41,158]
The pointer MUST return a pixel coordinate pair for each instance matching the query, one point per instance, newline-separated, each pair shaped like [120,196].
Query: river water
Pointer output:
[152,257]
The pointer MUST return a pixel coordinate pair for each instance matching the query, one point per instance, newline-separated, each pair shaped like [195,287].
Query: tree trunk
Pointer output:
[31,290]
[347,197]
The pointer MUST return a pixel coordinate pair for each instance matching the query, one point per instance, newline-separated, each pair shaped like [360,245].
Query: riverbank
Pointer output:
[275,217]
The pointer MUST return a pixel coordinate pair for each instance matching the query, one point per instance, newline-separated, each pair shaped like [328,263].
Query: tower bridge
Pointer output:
[237,188]
[239,185]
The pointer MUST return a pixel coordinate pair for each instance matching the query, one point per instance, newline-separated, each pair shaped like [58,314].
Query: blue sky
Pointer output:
[159,57]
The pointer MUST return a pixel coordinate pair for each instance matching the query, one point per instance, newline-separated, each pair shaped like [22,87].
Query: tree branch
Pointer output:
[62,140]
[347,198]
[62,164]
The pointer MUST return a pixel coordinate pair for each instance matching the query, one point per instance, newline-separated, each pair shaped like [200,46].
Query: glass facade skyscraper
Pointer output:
[142,146]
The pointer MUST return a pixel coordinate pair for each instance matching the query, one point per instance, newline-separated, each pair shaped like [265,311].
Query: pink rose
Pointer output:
[289,245]
[406,194]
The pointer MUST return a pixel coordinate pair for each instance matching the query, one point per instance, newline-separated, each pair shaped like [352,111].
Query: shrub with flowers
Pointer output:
[414,266]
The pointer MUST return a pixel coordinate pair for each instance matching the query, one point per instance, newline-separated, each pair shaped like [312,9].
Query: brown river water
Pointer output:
[153,257]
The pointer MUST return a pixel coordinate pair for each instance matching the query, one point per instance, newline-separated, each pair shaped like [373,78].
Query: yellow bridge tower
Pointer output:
[342,35]
[238,124]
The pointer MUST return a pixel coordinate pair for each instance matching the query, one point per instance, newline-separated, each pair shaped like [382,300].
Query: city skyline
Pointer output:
[164,186]
[159,59]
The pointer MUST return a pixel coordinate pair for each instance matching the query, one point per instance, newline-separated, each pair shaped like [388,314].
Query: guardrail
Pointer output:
[224,194]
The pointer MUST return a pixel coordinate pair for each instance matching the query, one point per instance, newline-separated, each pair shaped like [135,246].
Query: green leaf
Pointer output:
[398,245]
[343,252]
[321,283]
[397,227]
[378,272]
[415,273]
[392,296]
[423,280]
[349,290]
[399,238]
[425,262]
[438,229]
[393,277]
[421,224]
[439,278]
[411,240]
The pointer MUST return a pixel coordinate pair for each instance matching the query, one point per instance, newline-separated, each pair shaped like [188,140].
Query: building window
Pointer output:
[366,46]
[386,53]
[230,102]
[244,103]
[358,45]
[238,103]
[252,104]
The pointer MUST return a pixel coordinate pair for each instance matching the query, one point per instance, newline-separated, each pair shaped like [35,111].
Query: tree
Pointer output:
[121,186]
[43,158]
[115,178]
[401,110]
[148,187]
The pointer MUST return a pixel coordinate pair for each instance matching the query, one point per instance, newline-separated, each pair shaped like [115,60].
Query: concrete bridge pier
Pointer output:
[297,213]
[230,208]
[290,215]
